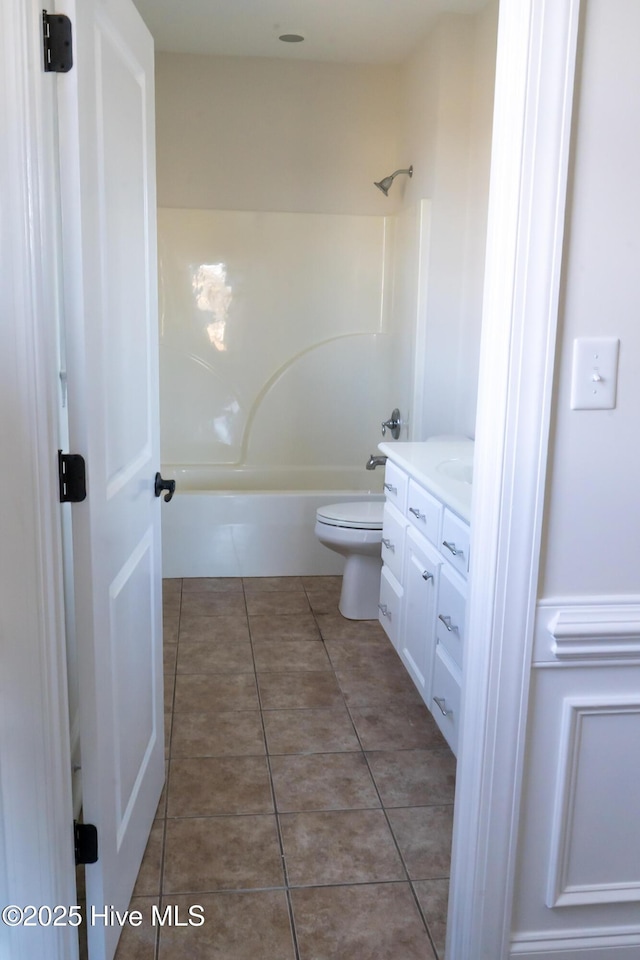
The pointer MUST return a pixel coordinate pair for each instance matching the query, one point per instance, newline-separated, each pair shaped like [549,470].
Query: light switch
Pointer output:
[595,373]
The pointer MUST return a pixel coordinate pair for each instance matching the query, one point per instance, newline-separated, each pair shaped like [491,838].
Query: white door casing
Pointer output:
[36,825]
[535,79]
[107,162]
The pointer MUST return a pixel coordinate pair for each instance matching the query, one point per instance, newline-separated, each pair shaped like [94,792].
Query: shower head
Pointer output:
[386,183]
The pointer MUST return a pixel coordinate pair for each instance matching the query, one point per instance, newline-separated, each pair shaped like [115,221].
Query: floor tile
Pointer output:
[170,624]
[398,727]
[230,629]
[301,626]
[278,655]
[361,654]
[139,942]
[276,603]
[222,853]
[309,731]
[410,778]
[238,926]
[433,896]
[424,839]
[346,846]
[171,602]
[212,786]
[162,802]
[169,656]
[328,781]
[336,627]
[207,693]
[148,881]
[226,585]
[323,593]
[169,689]
[377,685]
[213,604]
[171,586]
[262,585]
[279,691]
[372,922]
[215,656]
[236,733]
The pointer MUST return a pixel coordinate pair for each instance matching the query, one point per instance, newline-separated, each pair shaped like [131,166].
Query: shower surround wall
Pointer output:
[275,349]
[278,346]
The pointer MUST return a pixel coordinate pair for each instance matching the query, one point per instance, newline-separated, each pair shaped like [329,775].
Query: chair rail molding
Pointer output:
[584,628]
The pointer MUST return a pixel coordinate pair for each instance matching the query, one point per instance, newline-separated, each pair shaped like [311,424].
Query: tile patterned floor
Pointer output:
[309,798]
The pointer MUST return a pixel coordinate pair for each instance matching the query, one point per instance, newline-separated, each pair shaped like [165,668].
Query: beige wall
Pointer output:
[592,543]
[448,98]
[272,135]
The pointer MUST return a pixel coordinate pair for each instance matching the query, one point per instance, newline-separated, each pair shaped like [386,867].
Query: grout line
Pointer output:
[156,949]
[294,935]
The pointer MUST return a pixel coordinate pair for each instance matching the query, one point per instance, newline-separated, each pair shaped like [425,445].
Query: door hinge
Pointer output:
[56,41]
[72,477]
[85,838]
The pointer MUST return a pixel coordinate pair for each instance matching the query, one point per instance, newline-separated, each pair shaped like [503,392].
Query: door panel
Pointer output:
[108,192]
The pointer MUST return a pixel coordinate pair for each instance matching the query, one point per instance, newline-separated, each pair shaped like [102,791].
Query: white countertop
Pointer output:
[431,463]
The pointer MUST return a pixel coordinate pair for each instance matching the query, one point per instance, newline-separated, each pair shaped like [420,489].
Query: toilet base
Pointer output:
[360,587]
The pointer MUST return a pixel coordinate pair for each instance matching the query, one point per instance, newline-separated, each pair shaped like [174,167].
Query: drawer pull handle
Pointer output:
[426,575]
[384,610]
[388,544]
[452,547]
[451,627]
[390,487]
[441,701]
[417,514]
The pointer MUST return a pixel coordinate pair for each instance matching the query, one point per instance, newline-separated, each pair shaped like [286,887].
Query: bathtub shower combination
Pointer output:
[279,358]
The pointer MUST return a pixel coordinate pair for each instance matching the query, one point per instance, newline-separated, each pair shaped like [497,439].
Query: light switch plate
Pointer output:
[595,373]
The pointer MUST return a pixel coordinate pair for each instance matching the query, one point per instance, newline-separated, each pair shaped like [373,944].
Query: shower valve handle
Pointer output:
[393,423]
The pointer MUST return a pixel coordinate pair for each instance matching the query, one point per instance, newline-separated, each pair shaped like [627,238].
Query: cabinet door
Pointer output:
[421,576]
[390,606]
[450,613]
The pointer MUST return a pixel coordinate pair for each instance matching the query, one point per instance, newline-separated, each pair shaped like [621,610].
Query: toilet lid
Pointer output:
[360,515]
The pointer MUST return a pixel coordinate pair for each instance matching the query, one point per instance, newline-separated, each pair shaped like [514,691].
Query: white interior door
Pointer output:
[106,108]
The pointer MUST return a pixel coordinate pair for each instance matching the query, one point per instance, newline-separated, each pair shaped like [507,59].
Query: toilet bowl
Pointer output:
[354,530]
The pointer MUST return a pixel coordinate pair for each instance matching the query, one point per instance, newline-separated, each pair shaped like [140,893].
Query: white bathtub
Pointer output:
[244,522]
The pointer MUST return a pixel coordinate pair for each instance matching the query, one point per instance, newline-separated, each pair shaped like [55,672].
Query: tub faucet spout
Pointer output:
[374,462]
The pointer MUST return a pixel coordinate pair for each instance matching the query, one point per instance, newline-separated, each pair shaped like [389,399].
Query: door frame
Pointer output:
[534,93]
[535,88]
[36,811]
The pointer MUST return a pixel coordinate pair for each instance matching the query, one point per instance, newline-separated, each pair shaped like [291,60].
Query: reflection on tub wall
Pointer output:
[276,345]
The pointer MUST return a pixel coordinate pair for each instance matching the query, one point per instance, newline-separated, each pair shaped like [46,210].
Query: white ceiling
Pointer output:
[346,31]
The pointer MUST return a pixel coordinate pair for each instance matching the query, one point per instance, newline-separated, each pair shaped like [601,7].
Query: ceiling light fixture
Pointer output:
[291,38]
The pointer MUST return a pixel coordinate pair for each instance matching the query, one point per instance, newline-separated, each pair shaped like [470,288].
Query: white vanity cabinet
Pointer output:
[423,589]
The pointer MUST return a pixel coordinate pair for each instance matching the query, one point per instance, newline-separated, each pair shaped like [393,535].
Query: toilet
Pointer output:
[354,530]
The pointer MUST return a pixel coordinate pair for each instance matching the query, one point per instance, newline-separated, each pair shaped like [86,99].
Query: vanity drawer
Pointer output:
[395,486]
[424,511]
[445,697]
[455,541]
[450,613]
[390,606]
[393,532]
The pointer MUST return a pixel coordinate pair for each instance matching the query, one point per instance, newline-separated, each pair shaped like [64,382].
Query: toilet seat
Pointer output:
[359,515]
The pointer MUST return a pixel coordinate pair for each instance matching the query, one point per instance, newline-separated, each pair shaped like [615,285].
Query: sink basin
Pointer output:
[460,470]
